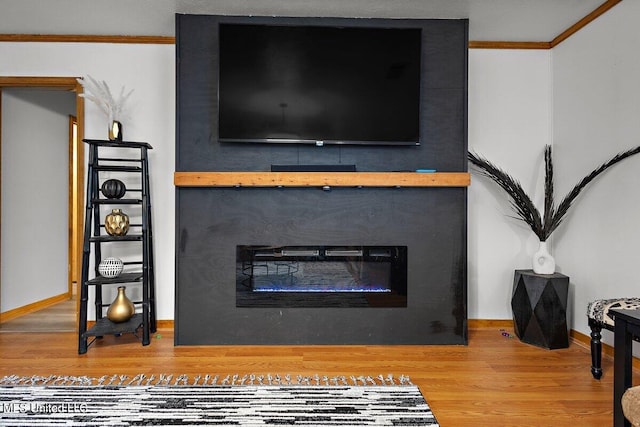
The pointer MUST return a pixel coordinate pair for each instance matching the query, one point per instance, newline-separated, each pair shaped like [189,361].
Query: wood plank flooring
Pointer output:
[60,317]
[495,381]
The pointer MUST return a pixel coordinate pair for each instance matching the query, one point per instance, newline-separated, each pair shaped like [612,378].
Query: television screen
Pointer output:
[319,84]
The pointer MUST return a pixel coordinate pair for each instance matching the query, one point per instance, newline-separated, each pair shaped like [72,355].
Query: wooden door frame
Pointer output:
[64,84]
[74,214]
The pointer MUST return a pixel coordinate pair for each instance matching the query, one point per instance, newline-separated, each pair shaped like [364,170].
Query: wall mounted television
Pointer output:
[321,85]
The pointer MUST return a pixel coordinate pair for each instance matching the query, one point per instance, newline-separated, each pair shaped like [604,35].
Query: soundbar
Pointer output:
[313,168]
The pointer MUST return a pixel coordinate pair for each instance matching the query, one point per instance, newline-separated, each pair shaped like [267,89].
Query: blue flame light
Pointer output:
[332,276]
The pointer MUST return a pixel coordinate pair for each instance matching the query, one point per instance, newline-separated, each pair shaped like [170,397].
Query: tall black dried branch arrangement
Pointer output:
[525,210]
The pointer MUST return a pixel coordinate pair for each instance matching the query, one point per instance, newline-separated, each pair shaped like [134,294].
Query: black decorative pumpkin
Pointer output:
[113,189]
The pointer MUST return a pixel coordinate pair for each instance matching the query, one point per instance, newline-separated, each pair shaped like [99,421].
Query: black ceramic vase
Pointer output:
[113,189]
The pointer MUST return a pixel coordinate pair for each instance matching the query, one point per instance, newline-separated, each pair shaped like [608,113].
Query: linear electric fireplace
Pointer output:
[321,276]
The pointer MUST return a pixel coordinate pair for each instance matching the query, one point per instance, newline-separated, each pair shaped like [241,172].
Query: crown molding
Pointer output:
[599,11]
[508,45]
[81,38]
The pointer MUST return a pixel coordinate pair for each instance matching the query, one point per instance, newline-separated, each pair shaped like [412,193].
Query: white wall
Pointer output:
[509,124]
[596,115]
[150,70]
[35,175]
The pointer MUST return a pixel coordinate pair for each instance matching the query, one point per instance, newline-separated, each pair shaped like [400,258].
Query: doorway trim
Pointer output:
[63,84]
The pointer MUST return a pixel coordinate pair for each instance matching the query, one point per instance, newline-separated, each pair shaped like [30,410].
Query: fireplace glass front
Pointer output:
[321,276]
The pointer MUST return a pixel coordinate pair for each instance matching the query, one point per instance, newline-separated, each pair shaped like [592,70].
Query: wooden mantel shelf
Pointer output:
[321,179]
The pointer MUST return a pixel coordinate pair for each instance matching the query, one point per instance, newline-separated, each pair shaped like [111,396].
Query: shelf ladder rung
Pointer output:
[117,168]
[116,201]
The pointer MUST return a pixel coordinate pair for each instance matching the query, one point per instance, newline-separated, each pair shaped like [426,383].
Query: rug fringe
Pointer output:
[185,380]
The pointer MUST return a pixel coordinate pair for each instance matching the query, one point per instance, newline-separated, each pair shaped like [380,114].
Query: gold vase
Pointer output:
[116,223]
[115,131]
[121,309]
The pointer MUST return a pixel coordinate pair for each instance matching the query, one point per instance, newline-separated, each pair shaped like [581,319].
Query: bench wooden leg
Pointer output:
[596,349]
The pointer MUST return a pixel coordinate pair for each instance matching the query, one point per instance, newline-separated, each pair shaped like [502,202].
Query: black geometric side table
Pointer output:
[539,306]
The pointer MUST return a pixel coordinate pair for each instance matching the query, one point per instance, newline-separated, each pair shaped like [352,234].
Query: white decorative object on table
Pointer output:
[110,267]
[543,262]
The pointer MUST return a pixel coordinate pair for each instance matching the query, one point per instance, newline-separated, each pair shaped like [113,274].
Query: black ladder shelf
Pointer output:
[131,160]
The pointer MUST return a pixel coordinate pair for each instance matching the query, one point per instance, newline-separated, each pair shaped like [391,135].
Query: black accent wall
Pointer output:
[431,222]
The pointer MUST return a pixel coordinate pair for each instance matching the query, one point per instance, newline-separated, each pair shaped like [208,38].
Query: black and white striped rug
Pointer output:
[248,405]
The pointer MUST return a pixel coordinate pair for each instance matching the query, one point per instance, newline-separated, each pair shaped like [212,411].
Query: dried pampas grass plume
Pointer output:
[100,94]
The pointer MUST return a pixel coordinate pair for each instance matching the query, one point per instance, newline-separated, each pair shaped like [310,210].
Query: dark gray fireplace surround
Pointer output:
[430,222]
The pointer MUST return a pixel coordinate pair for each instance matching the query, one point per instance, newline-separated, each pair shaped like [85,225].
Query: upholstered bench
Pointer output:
[598,315]
[631,405]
